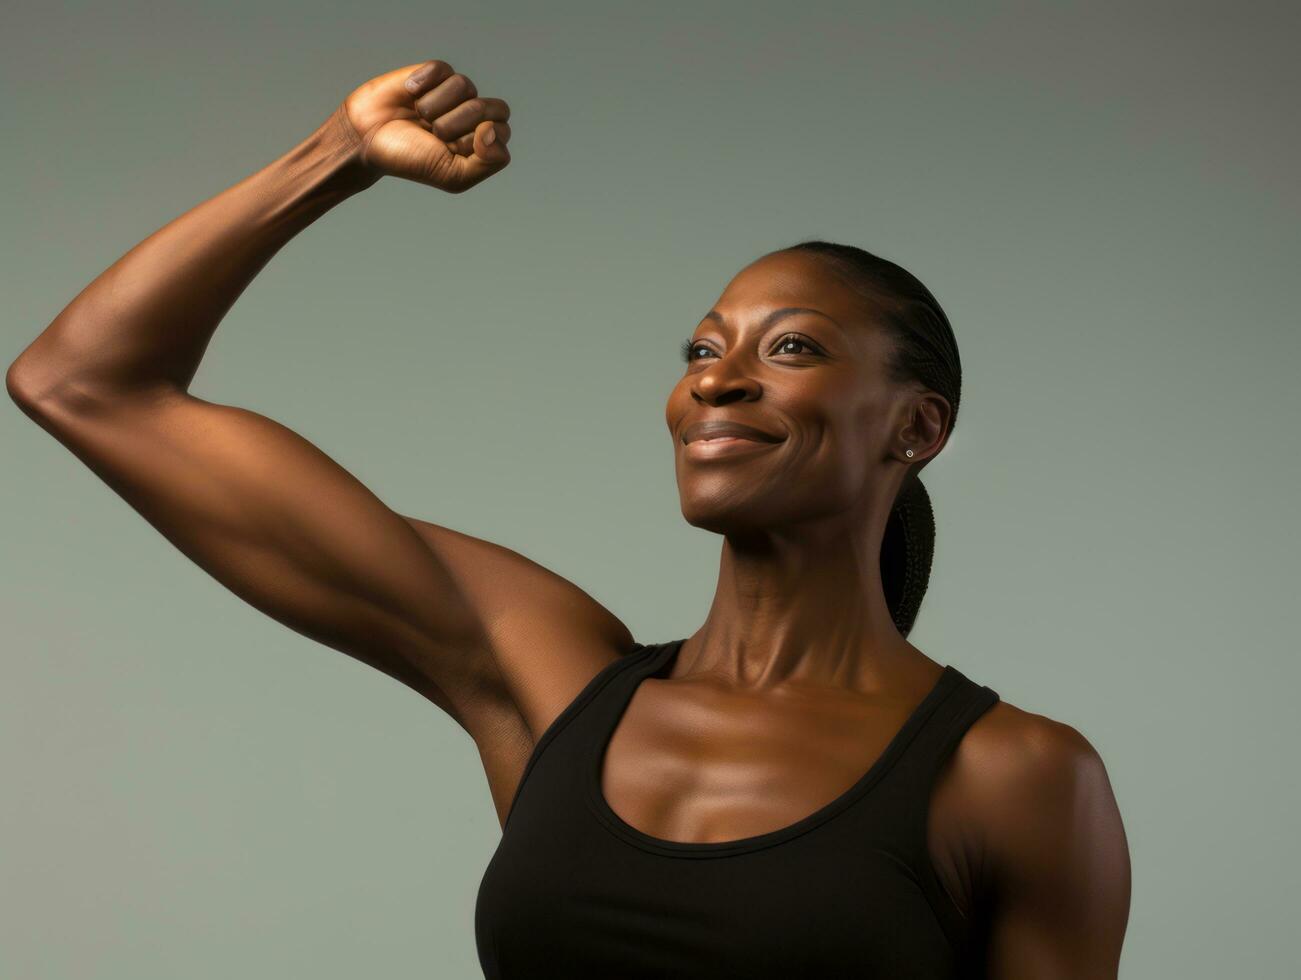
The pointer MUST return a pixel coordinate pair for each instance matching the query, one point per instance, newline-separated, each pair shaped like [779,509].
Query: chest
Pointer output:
[664,828]
[695,766]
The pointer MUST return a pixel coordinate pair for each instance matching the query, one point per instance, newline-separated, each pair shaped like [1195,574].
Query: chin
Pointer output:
[724,513]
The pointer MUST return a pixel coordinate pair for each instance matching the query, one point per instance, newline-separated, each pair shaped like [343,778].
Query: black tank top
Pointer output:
[848,891]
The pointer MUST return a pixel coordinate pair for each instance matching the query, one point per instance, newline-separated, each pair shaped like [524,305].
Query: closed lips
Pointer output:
[719,429]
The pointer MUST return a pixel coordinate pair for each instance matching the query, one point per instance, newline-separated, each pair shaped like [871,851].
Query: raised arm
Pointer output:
[262,510]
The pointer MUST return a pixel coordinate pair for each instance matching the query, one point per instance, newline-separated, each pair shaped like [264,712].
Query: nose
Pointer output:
[722,383]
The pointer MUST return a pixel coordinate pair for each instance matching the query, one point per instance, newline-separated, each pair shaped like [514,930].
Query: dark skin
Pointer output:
[797,678]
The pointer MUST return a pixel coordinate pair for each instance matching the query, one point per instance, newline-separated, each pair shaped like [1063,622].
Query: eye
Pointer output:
[791,338]
[689,348]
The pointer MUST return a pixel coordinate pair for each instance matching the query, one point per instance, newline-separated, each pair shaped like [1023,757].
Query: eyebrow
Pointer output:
[773,317]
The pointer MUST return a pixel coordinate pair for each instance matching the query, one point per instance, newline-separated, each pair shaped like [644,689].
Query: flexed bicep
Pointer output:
[287,529]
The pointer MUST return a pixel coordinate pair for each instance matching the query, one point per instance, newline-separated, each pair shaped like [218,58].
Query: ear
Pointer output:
[927,428]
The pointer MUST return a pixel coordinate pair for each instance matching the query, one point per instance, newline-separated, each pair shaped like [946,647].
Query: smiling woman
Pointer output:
[795,790]
[922,351]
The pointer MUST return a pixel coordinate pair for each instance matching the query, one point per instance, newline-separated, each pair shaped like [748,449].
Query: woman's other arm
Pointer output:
[1054,846]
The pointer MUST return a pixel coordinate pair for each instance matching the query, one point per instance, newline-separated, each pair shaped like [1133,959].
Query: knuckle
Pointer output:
[476,106]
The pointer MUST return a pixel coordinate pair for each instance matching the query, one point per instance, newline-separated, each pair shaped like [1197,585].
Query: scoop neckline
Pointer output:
[657,663]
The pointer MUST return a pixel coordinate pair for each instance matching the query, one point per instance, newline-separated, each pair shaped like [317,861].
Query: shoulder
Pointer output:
[1015,748]
[1040,806]
[1017,769]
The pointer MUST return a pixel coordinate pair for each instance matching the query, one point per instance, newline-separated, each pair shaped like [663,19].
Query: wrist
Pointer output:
[337,149]
[323,170]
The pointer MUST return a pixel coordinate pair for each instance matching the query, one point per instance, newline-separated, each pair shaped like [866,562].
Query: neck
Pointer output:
[804,608]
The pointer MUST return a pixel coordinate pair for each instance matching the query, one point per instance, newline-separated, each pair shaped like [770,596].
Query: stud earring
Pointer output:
[909,454]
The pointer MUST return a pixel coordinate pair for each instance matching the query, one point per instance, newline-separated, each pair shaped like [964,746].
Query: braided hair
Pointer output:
[925,351]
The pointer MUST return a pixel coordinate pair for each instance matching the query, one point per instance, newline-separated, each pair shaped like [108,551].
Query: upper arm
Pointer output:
[545,635]
[294,534]
[1058,858]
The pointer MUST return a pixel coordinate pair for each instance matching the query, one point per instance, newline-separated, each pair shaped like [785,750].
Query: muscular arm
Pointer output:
[1057,856]
[262,510]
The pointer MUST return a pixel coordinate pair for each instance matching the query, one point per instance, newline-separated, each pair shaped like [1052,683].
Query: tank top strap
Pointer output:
[898,820]
[962,702]
[593,704]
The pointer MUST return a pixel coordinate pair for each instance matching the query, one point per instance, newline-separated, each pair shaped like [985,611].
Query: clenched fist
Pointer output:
[427,123]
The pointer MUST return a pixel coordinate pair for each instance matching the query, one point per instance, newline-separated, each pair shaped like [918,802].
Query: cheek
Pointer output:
[840,462]
[844,444]
[676,406]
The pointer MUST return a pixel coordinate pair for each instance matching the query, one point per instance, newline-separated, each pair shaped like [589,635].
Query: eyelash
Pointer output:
[688,347]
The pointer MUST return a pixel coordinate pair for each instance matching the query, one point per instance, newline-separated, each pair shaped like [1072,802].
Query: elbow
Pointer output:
[20,382]
[32,382]
[53,396]
[29,389]
[33,374]
[24,391]
[43,390]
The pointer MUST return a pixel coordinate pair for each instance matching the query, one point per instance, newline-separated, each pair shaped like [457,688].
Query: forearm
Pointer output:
[147,319]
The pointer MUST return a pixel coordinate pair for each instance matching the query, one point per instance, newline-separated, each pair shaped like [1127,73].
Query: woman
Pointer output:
[794,789]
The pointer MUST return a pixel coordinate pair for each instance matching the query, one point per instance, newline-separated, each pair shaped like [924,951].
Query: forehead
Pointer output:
[796,279]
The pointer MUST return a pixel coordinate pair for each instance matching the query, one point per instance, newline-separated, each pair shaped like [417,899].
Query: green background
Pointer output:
[1103,197]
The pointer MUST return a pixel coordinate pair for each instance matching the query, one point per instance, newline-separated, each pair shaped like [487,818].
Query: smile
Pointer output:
[724,446]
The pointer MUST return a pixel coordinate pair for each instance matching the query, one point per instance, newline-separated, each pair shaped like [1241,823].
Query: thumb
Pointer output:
[490,154]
